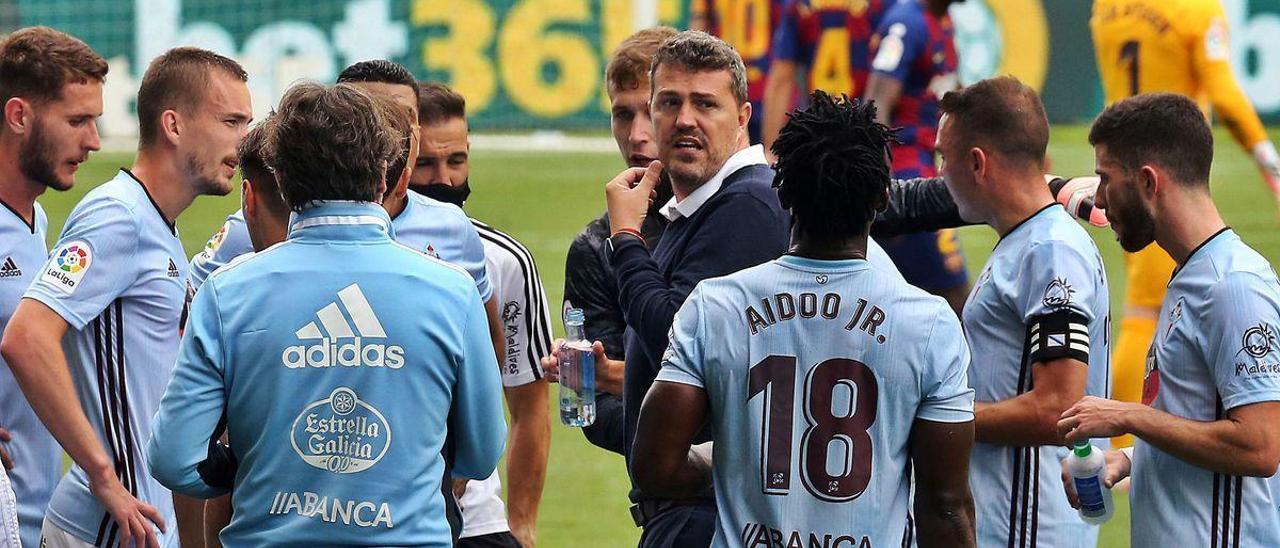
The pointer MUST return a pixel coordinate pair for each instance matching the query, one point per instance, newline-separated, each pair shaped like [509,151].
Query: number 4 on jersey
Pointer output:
[777,374]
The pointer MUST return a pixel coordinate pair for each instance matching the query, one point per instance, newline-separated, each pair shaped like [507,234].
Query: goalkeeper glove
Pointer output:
[1076,194]
[1268,160]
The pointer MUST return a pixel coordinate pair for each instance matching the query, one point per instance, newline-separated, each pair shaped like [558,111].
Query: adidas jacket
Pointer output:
[337,361]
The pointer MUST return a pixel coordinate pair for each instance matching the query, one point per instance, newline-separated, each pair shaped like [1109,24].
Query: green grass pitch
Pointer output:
[544,199]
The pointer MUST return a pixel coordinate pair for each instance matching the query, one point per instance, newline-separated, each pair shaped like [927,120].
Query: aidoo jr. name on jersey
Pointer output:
[783,307]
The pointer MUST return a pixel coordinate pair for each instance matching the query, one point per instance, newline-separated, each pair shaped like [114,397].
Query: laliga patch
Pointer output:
[1217,44]
[67,266]
[215,241]
[891,49]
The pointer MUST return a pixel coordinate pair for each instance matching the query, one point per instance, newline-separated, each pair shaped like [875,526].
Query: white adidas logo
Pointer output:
[330,350]
[10,269]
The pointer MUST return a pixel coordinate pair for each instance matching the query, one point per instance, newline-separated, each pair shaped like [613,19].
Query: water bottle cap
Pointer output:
[1082,449]
[574,315]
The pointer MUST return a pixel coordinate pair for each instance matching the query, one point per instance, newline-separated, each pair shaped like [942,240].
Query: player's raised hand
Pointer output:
[5,459]
[628,196]
[131,514]
[1077,195]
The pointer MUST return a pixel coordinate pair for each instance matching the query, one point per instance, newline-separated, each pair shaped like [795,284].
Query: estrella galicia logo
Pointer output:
[342,433]
[1257,341]
[1058,293]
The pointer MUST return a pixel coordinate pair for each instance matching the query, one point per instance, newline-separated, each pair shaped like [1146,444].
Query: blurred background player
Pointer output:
[116,286]
[749,27]
[828,44]
[1208,427]
[368,420]
[443,171]
[1178,46]
[51,89]
[1038,319]
[913,65]
[828,356]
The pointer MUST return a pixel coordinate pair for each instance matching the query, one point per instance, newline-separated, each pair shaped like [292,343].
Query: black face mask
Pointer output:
[456,195]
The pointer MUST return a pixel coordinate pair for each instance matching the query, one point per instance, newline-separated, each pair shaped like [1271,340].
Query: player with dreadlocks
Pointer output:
[829,345]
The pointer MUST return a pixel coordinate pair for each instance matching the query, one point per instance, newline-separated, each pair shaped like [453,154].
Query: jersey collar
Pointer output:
[354,217]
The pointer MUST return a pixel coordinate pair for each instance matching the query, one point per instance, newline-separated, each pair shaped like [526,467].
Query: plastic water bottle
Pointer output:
[577,373]
[1088,468]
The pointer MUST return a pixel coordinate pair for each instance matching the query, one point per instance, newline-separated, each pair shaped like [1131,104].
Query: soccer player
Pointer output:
[913,65]
[786,358]
[830,42]
[1038,316]
[443,172]
[115,286]
[232,240]
[749,27]
[1208,436]
[337,400]
[1179,46]
[51,89]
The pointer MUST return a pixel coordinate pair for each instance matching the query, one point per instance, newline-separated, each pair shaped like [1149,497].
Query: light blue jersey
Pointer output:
[1215,349]
[338,369]
[443,231]
[430,226]
[37,457]
[1042,296]
[815,372]
[118,277]
[229,242]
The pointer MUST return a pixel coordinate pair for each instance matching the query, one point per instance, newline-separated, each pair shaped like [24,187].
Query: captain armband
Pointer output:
[1059,334]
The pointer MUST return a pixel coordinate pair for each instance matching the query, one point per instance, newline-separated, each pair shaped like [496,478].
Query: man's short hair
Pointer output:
[329,143]
[255,167]
[380,71]
[698,51]
[400,122]
[36,62]
[439,103]
[1000,114]
[629,65]
[178,80]
[1163,129]
[833,166]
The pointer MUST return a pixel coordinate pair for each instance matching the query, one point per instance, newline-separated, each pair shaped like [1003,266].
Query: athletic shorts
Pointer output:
[51,536]
[493,540]
[932,261]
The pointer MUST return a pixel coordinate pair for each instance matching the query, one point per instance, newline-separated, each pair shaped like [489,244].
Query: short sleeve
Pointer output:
[229,242]
[902,38]
[92,264]
[682,362]
[786,39]
[1242,339]
[1056,288]
[946,395]
[522,308]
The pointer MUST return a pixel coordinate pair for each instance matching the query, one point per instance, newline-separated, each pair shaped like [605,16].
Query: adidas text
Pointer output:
[328,353]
